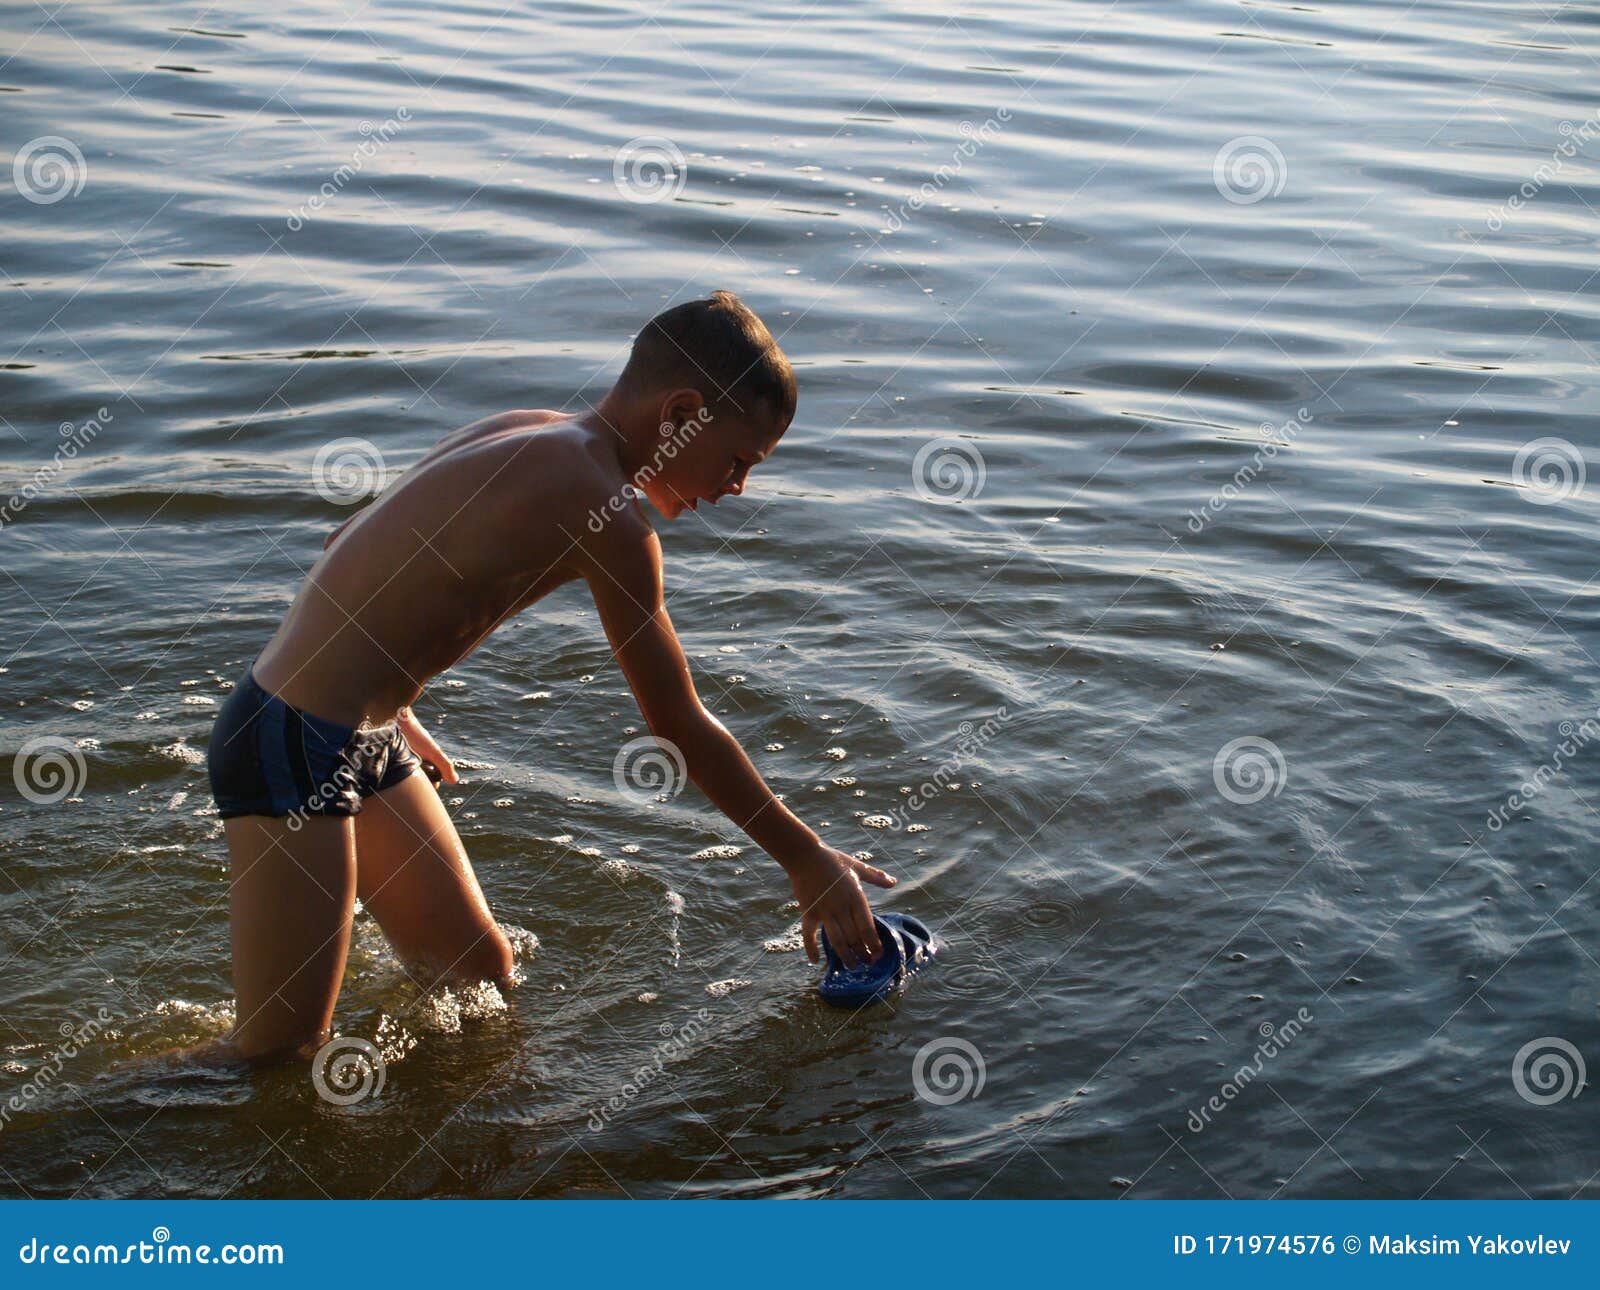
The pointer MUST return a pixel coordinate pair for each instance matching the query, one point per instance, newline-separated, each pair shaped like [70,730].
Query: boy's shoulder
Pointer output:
[566,451]
[580,485]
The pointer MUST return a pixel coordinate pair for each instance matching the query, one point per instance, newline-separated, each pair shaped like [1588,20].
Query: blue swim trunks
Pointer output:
[268,758]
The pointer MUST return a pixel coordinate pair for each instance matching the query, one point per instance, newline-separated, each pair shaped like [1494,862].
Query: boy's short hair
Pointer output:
[719,347]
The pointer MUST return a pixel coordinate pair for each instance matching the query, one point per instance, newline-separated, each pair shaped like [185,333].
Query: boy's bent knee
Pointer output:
[490,959]
[499,963]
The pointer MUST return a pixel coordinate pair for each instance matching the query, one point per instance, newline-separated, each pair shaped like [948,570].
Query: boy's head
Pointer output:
[717,394]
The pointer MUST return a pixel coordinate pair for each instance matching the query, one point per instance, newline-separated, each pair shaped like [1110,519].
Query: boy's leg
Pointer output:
[413,874]
[292,895]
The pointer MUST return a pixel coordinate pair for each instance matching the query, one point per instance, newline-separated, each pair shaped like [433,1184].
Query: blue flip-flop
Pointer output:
[908,945]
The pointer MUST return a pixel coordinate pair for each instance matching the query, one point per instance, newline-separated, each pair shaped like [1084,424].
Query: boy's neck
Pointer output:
[620,422]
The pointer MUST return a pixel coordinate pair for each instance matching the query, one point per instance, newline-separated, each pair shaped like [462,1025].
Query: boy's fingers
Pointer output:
[874,875]
[427,747]
[874,941]
[867,932]
[843,939]
[808,933]
[834,939]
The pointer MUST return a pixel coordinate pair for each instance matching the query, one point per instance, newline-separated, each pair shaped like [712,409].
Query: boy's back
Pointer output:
[480,528]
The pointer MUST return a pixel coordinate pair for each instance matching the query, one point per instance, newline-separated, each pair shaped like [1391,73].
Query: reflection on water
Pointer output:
[1180,573]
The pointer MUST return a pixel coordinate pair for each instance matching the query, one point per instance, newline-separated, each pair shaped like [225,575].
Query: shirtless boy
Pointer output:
[314,758]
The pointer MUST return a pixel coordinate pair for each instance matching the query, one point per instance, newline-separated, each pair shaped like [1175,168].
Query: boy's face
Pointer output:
[703,459]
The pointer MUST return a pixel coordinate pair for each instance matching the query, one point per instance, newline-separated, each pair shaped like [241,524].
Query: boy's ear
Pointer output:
[680,405]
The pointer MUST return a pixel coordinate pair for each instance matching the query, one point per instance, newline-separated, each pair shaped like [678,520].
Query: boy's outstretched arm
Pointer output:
[623,569]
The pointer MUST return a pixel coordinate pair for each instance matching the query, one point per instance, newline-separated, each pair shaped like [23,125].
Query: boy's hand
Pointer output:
[423,745]
[828,886]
